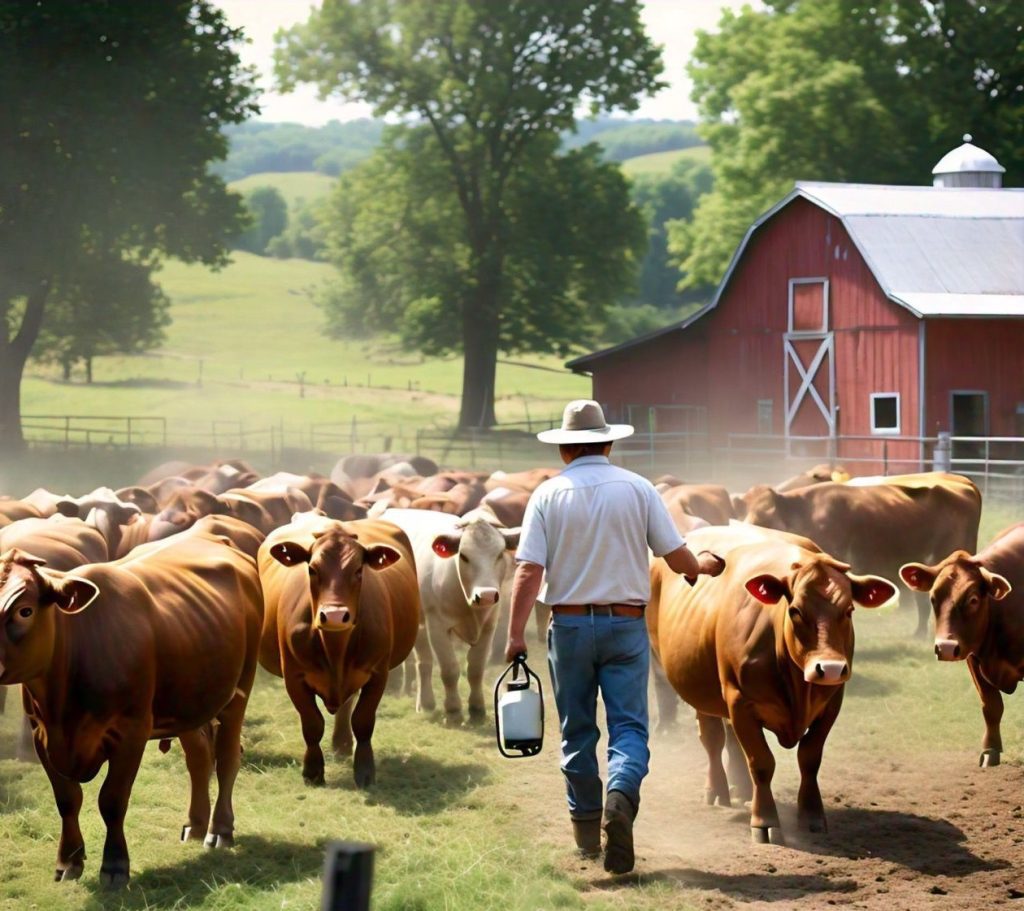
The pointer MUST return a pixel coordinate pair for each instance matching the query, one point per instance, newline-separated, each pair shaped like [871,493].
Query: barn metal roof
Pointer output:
[937,251]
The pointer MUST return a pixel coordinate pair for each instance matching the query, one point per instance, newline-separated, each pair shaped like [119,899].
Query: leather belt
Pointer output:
[604,610]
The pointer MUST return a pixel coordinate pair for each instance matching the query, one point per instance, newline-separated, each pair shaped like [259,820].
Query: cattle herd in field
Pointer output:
[141,614]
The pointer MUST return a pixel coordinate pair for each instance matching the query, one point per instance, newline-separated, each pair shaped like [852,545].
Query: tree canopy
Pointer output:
[492,81]
[847,91]
[111,113]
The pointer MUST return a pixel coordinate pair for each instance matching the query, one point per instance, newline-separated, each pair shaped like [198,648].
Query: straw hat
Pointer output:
[583,422]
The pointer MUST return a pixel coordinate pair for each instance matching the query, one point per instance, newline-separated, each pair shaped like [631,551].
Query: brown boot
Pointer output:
[619,813]
[587,833]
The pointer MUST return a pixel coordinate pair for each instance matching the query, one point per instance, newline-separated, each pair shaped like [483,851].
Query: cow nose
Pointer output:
[485,597]
[827,672]
[947,649]
[334,617]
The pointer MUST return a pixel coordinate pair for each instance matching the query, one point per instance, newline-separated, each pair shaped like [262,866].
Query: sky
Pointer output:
[671,23]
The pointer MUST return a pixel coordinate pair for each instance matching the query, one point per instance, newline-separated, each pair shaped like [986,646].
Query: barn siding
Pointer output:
[983,354]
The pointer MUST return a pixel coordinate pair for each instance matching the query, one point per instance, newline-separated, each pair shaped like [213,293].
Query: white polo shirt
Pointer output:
[590,528]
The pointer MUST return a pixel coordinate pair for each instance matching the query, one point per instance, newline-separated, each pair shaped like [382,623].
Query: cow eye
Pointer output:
[794,614]
[463,558]
[25,612]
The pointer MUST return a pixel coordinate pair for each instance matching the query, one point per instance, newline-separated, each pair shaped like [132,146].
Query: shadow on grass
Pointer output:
[927,845]
[135,382]
[767,887]
[864,684]
[256,862]
[915,651]
[417,785]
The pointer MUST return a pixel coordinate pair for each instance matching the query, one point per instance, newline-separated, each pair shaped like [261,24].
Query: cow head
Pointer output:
[335,563]
[181,512]
[105,511]
[483,559]
[820,594]
[961,591]
[28,597]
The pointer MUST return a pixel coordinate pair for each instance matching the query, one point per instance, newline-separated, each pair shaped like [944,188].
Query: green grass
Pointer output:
[293,185]
[662,162]
[249,332]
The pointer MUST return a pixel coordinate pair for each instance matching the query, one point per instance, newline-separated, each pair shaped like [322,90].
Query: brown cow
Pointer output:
[332,630]
[979,618]
[265,510]
[768,644]
[819,474]
[709,502]
[876,525]
[528,480]
[101,679]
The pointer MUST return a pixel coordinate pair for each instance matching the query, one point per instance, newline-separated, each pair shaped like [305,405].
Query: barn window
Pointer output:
[885,412]
[808,305]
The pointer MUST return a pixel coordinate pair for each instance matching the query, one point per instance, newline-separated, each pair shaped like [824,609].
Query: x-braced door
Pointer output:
[809,362]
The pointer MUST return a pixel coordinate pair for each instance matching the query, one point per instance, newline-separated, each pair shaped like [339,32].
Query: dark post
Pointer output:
[348,876]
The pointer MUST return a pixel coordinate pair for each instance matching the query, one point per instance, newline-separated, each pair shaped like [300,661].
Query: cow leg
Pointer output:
[992,710]
[740,785]
[475,662]
[228,747]
[341,739]
[364,718]
[668,699]
[67,795]
[199,762]
[764,815]
[409,674]
[444,651]
[425,701]
[810,809]
[304,700]
[113,802]
[712,735]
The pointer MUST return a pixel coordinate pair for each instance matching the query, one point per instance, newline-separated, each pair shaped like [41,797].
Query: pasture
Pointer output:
[294,186]
[914,823]
[662,162]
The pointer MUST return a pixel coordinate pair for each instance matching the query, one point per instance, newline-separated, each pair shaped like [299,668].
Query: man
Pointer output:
[588,531]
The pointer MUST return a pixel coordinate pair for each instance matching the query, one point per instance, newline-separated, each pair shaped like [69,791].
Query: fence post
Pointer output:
[128,442]
[67,432]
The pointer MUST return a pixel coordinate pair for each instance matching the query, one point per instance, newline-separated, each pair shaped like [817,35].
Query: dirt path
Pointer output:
[938,834]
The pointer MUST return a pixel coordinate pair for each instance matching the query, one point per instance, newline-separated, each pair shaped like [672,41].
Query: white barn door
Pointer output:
[809,376]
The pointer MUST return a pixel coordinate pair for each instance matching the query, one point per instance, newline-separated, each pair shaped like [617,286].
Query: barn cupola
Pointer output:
[968,166]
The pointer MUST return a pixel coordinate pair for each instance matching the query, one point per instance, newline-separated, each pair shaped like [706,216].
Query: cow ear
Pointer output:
[71,594]
[288,553]
[768,589]
[380,556]
[871,591]
[16,555]
[447,545]
[68,508]
[917,576]
[511,536]
[998,586]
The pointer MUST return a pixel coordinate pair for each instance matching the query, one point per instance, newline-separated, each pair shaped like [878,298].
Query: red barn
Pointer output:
[851,314]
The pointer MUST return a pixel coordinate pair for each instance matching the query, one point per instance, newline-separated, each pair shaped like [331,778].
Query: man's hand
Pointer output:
[516,645]
[710,564]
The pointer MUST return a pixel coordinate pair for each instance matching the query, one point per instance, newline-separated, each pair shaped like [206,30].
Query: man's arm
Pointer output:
[525,588]
[683,561]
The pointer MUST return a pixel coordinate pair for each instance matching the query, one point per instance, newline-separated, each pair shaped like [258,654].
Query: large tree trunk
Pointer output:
[13,357]
[480,321]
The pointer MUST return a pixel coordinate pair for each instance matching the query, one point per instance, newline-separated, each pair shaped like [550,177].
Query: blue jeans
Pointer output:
[613,655]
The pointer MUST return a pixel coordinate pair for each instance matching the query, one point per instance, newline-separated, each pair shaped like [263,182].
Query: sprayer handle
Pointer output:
[518,661]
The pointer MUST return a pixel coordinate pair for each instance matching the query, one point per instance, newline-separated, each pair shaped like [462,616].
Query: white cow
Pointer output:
[464,566]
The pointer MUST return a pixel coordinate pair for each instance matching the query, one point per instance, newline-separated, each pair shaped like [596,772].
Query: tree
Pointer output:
[571,246]
[111,114]
[269,213]
[491,80]
[846,91]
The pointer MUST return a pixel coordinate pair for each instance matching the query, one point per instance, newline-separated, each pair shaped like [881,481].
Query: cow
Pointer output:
[768,644]
[323,493]
[263,510]
[105,511]
[877,527]
[107,659]
[978,602]
[506,505]
[464,569]
[342,610]
[819,474]
[709,502]
[527,481]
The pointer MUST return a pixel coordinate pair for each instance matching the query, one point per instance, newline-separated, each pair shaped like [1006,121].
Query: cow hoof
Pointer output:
[709,797]
[816,826]
[343,750]
[766,835]
[313,781]
[989,758]
[365,777]
[453,719]
[114,879]
[68,873]
[219,841]
[477,715]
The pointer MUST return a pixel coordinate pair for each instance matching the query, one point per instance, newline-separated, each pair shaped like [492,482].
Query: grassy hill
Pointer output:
[293,185]
[243,338]
[662,162]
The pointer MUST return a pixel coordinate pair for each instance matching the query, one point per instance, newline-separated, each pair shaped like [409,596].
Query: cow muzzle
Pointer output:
[827,673]
[484,597]
[948,650]
[334,618]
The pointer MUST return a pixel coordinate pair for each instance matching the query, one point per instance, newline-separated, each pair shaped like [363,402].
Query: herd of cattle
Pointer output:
[141,614]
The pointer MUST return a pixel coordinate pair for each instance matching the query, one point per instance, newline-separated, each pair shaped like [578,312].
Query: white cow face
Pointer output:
[483,552]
